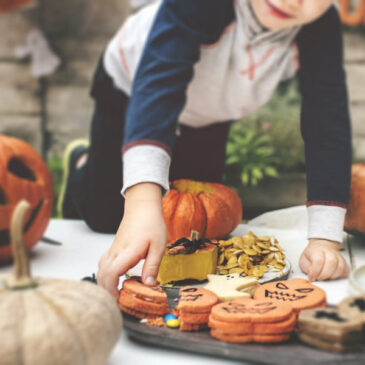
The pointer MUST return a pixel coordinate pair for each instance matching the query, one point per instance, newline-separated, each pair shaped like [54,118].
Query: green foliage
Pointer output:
[55,165]
[249,156]
[267,142]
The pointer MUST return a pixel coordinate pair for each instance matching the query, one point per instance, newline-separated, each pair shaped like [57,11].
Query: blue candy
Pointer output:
[168,317]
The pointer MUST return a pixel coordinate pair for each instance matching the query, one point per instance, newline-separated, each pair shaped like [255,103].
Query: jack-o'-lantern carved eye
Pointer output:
[3,199]
[18,168]
[282,286]
[304,290]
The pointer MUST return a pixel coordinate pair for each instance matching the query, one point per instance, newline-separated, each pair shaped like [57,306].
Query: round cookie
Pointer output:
[354,307]
[137,304]
[250,310]
[197,300]
[135,313]
[195,318]
[134,286]
[299,293]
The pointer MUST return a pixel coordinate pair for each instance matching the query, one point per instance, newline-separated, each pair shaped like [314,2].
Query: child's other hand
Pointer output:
[322,260]
[141,234]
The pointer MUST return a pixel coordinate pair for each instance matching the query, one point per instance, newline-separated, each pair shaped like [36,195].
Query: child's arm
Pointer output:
[158,97]
[325,126]
[141,234]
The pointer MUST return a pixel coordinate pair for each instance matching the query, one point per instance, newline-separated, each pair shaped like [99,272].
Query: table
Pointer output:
[81,248]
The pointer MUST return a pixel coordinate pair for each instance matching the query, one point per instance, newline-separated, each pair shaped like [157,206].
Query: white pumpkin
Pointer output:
[50,321]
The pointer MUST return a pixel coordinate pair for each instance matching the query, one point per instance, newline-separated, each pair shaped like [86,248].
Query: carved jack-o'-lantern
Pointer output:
[23,175]
[299,293]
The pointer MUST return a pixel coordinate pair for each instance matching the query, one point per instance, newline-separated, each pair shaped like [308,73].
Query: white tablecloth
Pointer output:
[81,248]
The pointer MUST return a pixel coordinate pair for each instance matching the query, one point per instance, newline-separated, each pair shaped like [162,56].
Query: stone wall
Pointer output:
[50,112]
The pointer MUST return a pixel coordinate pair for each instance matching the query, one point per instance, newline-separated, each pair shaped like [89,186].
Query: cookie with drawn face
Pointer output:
[329,329]
[196,300]
[354,307]
[250,320]
[299,293]
[194,307]
[250,310]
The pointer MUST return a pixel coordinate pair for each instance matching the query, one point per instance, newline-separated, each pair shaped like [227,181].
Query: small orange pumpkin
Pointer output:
[214,210]
[355,216]
[356,17]
[23,175]
[9,5]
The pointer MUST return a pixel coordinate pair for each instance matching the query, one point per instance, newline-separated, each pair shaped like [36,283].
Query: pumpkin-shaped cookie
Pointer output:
[299,293]
[214,210]
[250,320]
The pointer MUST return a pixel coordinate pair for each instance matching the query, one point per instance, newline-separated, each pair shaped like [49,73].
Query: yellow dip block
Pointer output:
[196,265]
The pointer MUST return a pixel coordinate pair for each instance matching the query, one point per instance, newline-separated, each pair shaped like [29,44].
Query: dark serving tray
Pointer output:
[292,352]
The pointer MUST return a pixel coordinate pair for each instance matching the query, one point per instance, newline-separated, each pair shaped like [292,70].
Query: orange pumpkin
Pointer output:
[355,216]
[23,175]
[9,5]
[355,17]
[214,210]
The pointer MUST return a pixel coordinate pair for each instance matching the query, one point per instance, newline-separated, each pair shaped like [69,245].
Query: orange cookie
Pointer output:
[231,338]
[135,313]
[197,300]
[299,293]
[137,304]
[134,286]
[250,328]
[250,310]
[194,317]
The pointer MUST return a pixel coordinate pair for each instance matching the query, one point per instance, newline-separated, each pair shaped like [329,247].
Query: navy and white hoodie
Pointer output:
[199,62]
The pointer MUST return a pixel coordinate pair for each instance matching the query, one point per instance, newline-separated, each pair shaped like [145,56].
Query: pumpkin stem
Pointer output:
[21,277]
[194,235]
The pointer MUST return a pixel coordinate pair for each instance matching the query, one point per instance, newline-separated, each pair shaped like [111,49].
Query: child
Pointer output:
[185,68]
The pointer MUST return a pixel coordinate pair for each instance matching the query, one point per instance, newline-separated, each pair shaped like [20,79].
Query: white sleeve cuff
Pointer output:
[146,163]
[326,222]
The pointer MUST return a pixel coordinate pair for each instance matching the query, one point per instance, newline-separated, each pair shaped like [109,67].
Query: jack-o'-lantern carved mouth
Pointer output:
[282,296]
[287,295]
[5,234]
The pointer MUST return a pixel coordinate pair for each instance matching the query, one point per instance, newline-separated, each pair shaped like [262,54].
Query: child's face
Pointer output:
[279,14]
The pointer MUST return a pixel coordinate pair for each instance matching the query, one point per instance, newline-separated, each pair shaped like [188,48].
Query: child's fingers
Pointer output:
[152,264]
[316,267]
[342,270]
[304,263]
[329,267]
[116,268]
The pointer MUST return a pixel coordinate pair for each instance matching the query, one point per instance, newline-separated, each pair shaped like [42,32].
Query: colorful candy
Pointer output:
[173,323]
[169,317]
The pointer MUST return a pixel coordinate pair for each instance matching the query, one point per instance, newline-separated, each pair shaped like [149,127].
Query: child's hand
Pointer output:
[141,234]
[322,260]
